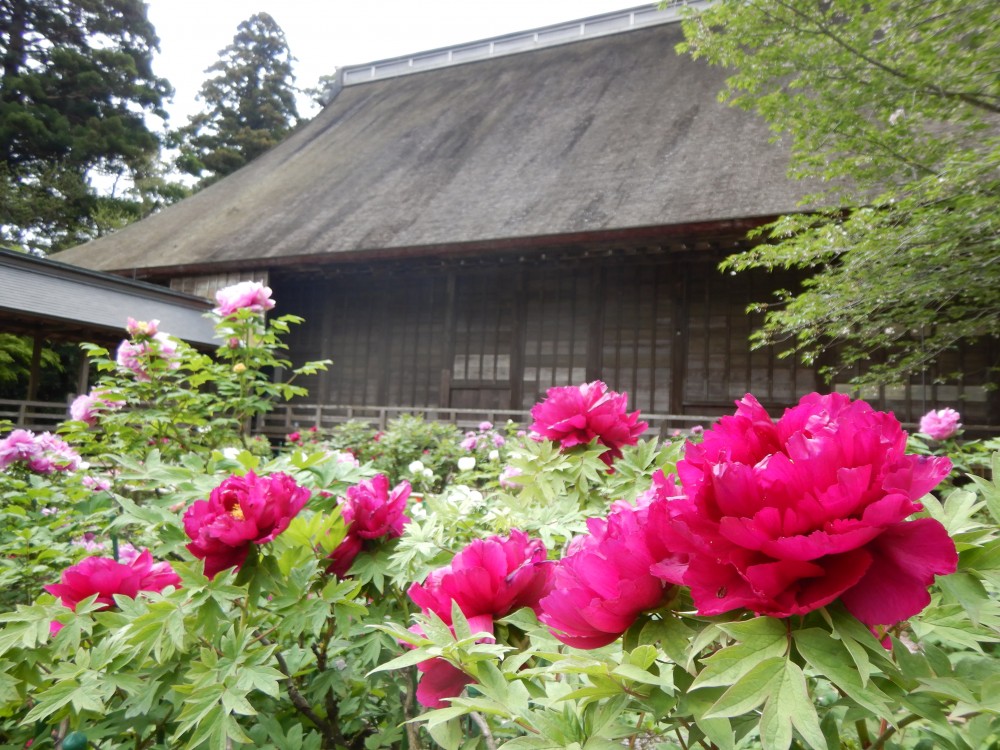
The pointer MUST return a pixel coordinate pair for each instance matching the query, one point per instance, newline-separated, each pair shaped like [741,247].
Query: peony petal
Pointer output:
[440,679]
[907,557]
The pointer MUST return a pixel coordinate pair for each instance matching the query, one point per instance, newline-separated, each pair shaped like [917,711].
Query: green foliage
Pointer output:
[891,111]
[283,654]
[250,103]
[77,82]
[15,364]
[435,446]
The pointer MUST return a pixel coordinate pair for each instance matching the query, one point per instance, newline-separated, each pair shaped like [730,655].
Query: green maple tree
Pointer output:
[894,110]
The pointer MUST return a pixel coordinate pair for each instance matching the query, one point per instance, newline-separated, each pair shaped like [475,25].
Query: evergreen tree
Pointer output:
[250,103]
[75,84]
[894,108]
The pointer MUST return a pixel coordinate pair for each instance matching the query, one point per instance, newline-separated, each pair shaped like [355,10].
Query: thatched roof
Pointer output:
[600,135]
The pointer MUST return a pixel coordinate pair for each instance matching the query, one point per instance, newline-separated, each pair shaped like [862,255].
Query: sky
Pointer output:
[324,35]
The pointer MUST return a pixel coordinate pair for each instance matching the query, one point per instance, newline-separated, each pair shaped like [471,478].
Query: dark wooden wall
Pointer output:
[670,330]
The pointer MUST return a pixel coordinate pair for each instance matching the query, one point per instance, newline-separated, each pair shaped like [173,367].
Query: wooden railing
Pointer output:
[293,417]
[34,415]
[286,418]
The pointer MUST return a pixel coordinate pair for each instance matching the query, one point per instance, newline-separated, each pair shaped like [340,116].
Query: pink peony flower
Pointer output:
[105,577]
[82,408]
[785,518]
[574,416]
[488,579]
[484,426]
[18,446]
[241,511]
[87,407]
[610,576]
[941,424]
[89,542]
[43,454]
[293,437]
[54,454]
[252,295]
[97,484]
[134,356]
[137,328]
[370,512]
[507,475]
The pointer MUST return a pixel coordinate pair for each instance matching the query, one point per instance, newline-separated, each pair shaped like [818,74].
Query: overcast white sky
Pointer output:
[326,34]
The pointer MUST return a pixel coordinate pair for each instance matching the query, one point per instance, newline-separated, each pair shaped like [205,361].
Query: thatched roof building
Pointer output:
[470,226]
[611,135]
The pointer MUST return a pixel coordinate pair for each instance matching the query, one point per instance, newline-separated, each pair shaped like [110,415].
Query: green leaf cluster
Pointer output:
[890,111]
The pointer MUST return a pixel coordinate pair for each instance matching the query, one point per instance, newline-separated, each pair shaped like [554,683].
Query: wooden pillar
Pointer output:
[444,394]
[595,341]
[517,341]
[679,345]
[83,375]
[34,374]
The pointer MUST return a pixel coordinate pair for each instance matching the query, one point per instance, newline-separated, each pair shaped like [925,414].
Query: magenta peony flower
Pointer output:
[251,295]
[941,424]
[610,576]
[241,511]
[493,576]
[574,416]
[439,679]
[342,557]
[371,511]
[106,577]
[785,518]
[488,579]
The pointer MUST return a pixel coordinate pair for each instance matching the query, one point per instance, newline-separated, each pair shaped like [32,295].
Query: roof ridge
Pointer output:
[612,22]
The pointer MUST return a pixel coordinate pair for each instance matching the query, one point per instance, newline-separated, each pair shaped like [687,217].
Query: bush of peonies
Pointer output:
[786,580]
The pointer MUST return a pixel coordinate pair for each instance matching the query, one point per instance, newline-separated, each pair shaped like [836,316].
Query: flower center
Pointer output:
[237,512]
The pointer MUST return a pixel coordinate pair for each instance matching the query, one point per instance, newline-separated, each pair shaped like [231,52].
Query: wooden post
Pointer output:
[83,375]
[444,394]
[679,345]
[36,362]
[598,300]
[517,342]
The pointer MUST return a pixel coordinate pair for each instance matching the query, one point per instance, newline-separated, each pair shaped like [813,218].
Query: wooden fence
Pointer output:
[288,418]
[34,415]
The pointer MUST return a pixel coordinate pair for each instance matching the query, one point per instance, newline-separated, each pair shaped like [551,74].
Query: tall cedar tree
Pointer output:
[250,103]
[76,82]
[895,107]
